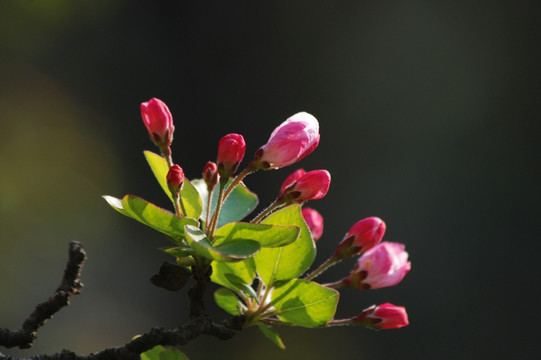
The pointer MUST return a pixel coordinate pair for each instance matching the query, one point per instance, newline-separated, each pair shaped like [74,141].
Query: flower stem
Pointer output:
[209,202]
[249,169]
[181,202]
[277,203]
[216,215]
[166,153]
[340,322]
[327,264]
[176,203]
[335,285]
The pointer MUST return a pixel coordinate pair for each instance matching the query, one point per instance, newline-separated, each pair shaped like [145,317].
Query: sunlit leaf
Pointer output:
[244,270]
[265,234]
[305,303]
[271,334]
[153,354]
[172,354]
[238,204]
[290,261]
[227,300]
[239,284]
[230,251]
[151,215]
[177,251]
[190,196]
[158,352]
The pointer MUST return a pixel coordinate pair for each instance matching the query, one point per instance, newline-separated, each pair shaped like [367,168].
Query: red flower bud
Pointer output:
[210,175]
[231,151]
[312,185]
[290,142]
[314,220]
[175,178]
[384,316]
[158,121]
[291,179]
[383,266]
[362,236]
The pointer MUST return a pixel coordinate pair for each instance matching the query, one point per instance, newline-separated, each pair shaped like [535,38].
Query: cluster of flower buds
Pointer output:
[380,264]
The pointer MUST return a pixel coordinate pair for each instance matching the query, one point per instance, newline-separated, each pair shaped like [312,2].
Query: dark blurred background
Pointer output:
[429,116]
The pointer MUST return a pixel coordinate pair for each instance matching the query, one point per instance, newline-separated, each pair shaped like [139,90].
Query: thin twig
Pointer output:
[70,285]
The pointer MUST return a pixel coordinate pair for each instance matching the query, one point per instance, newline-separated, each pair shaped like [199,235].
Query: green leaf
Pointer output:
[116,204]
[177,251]
[244,270]
[238,204]
[230,251]
[227,300]
[239,284]
[158,352]
[190,196]
[271,334]
[172,354]
[290,261]
[265,234]
[151,215]
[304,303]
[152,354]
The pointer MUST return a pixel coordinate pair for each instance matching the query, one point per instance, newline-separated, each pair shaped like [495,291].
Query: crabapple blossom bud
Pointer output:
[312,185]
[314,220]
[362,236]
[382,266]
[384,316]
[175,178]
[294,139]
[231,151]
[158,121]
[291,180]
[210,175]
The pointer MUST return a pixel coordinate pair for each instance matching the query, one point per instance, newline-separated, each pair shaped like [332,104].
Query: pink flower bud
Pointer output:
[384,316]
[294,139]
[291,180]
[312,185]
[158,121]
[175,178]
[384,265]
[314,220]
[362,236]
[231,151]
[210,175]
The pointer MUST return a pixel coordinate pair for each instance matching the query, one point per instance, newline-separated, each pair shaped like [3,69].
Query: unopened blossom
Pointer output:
[384,316]
[294,139]
[384,265]
[231,151]
[158,121]
[312,185]
[210,175]
[314,220]
[175,178]
[362,236]
[291,180]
